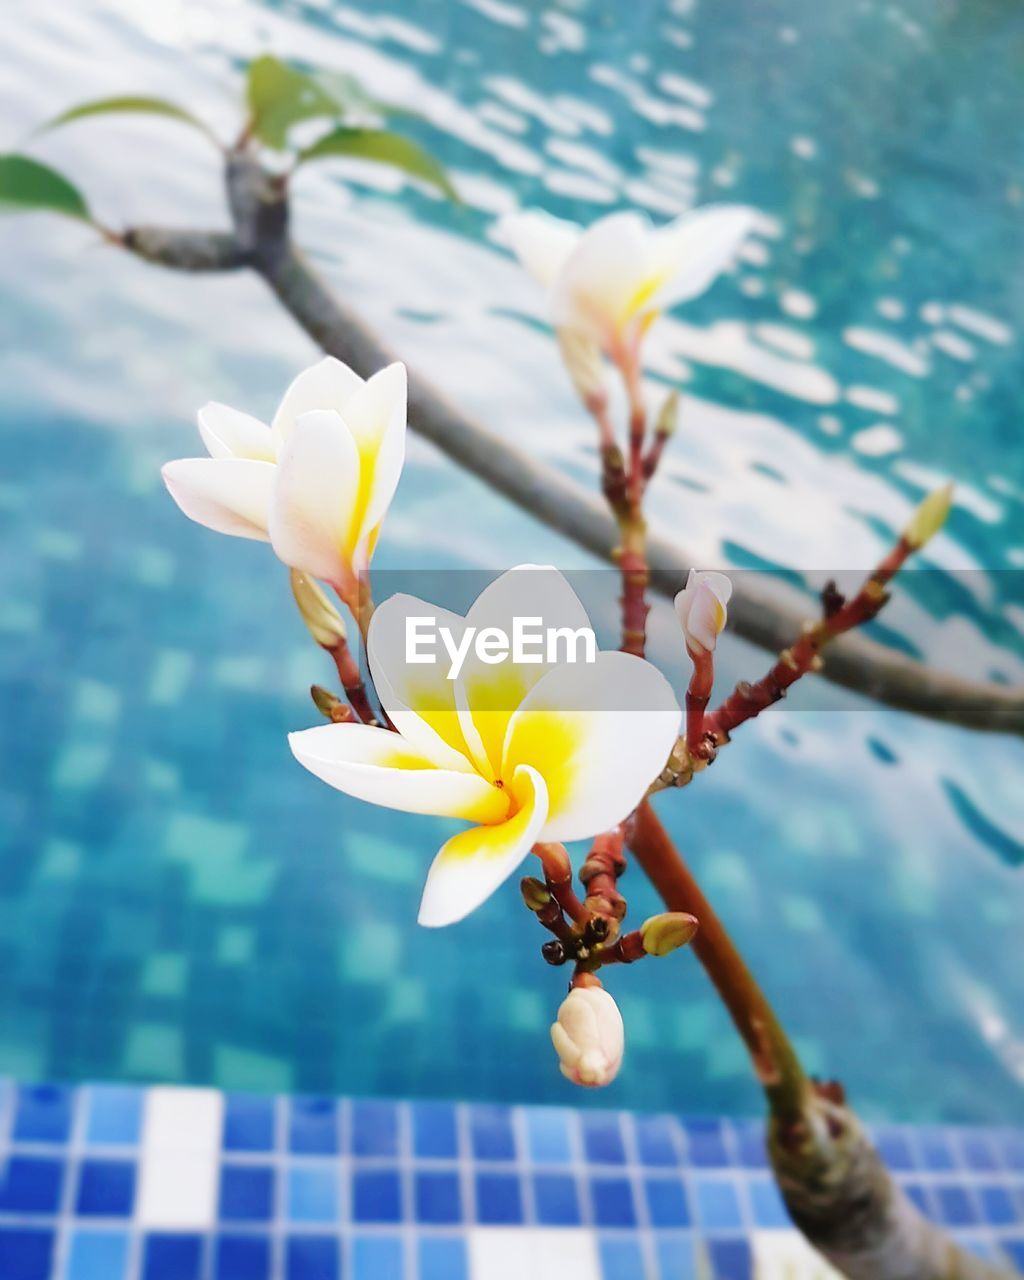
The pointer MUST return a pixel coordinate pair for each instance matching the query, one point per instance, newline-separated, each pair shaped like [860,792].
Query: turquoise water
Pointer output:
[178,900]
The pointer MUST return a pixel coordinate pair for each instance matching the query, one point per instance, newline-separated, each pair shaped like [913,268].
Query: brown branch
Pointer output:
[767,615]
[774,1058]
[837,1190]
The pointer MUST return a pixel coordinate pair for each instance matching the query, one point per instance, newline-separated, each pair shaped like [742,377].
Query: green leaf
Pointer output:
[138,103]
[25,184]
[384,147]
[279,97]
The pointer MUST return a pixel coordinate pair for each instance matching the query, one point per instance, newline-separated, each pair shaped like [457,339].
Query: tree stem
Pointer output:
[775,1061]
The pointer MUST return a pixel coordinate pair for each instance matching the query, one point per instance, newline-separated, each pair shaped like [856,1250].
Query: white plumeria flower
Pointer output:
[610,281]
[316,483]
[589,1037]
[524,751]
[701,607]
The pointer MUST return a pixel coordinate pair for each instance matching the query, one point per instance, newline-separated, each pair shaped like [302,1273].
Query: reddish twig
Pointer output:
[771,1052]
[838,616]
[352,681]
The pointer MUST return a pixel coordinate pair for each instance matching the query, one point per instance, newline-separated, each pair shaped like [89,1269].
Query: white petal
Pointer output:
[541,242]
[376,415]
[471,865]
[328,384]
[228,433]
[598,287]
[378,766]
[419,697]
[488,693]
[692,251]
[231,495]
[315,496]
[598,733]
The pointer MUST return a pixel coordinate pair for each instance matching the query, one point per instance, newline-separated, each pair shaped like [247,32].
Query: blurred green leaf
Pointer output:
[279,97]
[25,184]
[385,148]
[110,106]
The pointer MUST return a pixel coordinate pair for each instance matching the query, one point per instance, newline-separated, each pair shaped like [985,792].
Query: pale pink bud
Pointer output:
[701,608]
[589,1037]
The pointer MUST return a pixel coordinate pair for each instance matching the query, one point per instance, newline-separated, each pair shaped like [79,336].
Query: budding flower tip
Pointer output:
[668,418]
[668,932]
[929,517]
[323,621]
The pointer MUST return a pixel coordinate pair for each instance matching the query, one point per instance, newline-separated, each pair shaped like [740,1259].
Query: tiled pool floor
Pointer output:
[119,1183]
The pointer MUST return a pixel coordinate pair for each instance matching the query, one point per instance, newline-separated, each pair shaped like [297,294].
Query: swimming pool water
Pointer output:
[178,901]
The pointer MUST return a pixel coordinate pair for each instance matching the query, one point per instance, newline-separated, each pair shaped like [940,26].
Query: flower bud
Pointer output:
[701,608]
[319,615]
[668,931]
[585,366]
[668,415]
[589,1037]
[535,893]
[929,517]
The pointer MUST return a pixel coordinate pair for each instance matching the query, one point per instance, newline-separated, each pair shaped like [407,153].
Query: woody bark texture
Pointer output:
[841,1196]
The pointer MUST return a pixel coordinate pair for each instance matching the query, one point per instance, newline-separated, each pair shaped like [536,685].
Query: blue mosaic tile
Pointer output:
[548,1135]
[26,1253]
[491,1133]
[499,1199]
[106,1189]
[556,1200]
[677,1258]
[750,1144]
[114,1116]
[172,1257]
[313,1194]
[435,1131]
[442,1259]
[936,1150]
[602,1138]
[31,1184]
[998,1207]
[1011,1147]
[717,1204]
[313,1127]
[895,1149]
[42,1114]
[438,1197]
[978,1151]
[730,1259]
[706,1143]
[621,1259]
[310,1257]
[667,1205]
[242,1257]
[377,1258]
[374,1128]
[612,1199]
[97,1255]
[246,1193]
[766,1204]
[377,1195]
[248,1122]
[955,1206]
[655,1141]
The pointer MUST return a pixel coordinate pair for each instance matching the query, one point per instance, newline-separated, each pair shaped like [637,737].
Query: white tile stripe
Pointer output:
[179,1164]
[536,1253]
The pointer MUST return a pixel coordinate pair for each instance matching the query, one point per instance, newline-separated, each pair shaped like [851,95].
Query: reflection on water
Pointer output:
[178,900]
